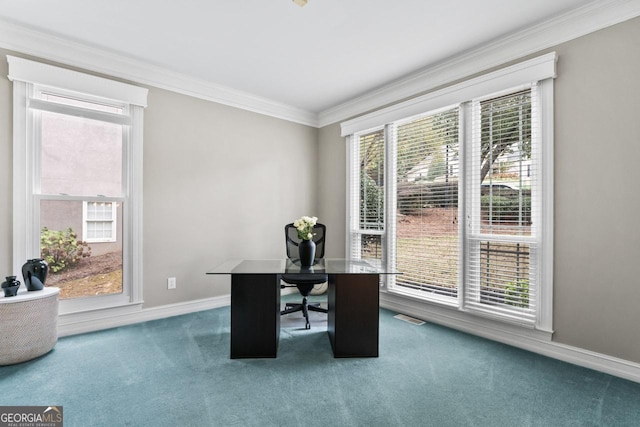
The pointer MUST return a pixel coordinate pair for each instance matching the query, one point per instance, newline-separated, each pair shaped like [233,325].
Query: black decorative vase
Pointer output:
[34,273]
[307,252]
[10,287]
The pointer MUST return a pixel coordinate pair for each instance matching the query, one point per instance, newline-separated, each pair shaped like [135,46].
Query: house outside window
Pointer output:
[464,185]
[77,182]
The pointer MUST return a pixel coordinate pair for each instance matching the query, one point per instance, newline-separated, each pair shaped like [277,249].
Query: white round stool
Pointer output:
[28,325]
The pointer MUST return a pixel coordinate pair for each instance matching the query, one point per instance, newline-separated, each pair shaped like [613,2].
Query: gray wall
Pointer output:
[219,182]
[597,168]
[332,188]
[597,232]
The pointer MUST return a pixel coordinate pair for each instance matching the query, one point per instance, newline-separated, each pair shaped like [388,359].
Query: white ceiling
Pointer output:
[313,58]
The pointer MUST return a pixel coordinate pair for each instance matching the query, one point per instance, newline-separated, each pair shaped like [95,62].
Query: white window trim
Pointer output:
[113,220]
[28,71]
[544,321]
[542,70]
[536,69]
[25,74]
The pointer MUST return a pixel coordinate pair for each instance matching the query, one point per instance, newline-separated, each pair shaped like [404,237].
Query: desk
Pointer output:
[353,305]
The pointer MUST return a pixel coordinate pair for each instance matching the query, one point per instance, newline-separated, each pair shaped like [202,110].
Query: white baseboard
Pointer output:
[459,321]
[113,317]
[79,323]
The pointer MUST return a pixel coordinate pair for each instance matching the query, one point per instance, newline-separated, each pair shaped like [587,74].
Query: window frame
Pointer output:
[29,79]
[540,70]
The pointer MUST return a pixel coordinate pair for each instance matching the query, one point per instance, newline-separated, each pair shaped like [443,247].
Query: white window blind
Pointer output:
[372,181]
[427,170]
[504,188]
[368,166]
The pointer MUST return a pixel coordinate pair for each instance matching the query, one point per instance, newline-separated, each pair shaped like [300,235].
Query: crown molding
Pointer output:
[27,41]
[591,17]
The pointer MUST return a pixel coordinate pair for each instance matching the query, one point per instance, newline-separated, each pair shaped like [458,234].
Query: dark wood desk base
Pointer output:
[255,315]
[352,325]
[354,307]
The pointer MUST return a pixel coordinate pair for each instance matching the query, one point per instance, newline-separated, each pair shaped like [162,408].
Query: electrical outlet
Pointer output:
[171,283]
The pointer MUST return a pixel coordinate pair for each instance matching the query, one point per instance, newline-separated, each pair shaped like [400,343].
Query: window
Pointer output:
[99,222]
[77,179]
[426,195]
[368,226]
[459,197]
[504,177]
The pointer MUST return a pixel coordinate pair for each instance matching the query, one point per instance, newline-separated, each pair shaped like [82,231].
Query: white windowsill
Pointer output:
[93,319]
[84,305]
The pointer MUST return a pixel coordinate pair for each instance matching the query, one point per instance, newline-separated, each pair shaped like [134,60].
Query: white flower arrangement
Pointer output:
[304,226]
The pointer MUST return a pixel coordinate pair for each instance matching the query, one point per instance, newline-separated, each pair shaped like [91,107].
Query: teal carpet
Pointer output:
[177,372]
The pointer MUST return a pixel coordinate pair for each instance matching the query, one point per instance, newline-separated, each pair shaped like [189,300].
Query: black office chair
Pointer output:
[304,282]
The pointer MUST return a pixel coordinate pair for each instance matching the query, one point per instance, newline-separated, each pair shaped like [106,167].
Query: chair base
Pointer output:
[304,307]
